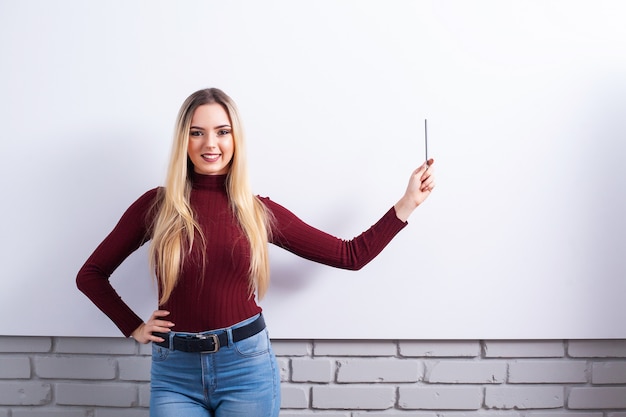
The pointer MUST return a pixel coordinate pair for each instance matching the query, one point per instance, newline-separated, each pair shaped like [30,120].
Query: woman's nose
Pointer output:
[211,140]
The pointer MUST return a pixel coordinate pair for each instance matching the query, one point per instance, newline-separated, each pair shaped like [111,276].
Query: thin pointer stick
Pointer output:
[426,138]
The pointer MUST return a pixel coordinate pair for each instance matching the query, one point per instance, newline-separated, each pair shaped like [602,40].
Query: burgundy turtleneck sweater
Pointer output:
[220,297]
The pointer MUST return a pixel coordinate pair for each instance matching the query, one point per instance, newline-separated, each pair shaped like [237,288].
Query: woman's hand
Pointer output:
[143,333]
[421,184]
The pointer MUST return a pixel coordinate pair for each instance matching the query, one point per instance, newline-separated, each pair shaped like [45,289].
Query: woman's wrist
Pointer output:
[136,334]
[404,207]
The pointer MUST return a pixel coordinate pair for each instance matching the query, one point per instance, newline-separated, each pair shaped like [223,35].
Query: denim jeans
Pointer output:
[239,380]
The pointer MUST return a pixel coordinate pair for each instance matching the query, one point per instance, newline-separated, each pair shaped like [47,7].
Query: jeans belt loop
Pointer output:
[229,334]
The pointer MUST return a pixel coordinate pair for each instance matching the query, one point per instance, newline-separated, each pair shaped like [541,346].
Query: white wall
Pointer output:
[523,238]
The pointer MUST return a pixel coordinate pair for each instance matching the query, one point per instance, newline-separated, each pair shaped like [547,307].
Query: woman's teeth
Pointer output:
[210,157]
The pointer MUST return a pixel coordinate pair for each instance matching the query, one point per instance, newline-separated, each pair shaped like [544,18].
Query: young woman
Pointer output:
[208,247]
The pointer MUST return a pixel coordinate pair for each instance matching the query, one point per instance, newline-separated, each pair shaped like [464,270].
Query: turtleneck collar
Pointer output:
[208,182]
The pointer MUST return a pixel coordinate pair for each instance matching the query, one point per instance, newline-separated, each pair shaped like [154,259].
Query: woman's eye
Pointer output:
[223,132]
[195,133]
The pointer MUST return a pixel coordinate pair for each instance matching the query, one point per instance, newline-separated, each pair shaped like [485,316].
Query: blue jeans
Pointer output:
[239,380]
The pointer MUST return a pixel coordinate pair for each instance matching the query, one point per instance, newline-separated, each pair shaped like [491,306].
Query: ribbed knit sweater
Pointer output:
[219,297]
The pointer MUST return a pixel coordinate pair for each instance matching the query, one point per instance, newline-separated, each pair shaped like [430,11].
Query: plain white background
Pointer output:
[523,238]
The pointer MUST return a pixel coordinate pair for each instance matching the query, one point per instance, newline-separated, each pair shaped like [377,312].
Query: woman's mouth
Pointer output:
[211,157]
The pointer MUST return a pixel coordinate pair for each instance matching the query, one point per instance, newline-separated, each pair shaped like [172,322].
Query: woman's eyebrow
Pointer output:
[216,127]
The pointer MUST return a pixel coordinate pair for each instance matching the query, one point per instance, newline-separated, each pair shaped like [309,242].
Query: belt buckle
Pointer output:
[216,342]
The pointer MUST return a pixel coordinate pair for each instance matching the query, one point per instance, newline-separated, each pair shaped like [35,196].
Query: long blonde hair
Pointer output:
[175,226]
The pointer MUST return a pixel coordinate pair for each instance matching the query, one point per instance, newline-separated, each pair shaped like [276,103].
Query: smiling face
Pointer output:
[211,144]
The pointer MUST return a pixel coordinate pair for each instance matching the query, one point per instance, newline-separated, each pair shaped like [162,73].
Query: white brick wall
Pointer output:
[109,377]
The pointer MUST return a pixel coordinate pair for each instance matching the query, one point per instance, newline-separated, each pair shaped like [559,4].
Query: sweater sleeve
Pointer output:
[296,236]
[129,234]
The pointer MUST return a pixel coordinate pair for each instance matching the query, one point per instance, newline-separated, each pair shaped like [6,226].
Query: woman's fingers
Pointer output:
[159,313]
[156,323]
[427,182]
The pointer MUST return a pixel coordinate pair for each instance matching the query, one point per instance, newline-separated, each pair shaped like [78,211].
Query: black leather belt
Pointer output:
[209,343]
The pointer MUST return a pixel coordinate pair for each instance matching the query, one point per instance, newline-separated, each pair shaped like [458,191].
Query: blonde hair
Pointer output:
[175,226]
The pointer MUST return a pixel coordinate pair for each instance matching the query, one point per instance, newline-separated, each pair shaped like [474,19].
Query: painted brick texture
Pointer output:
[109,377]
